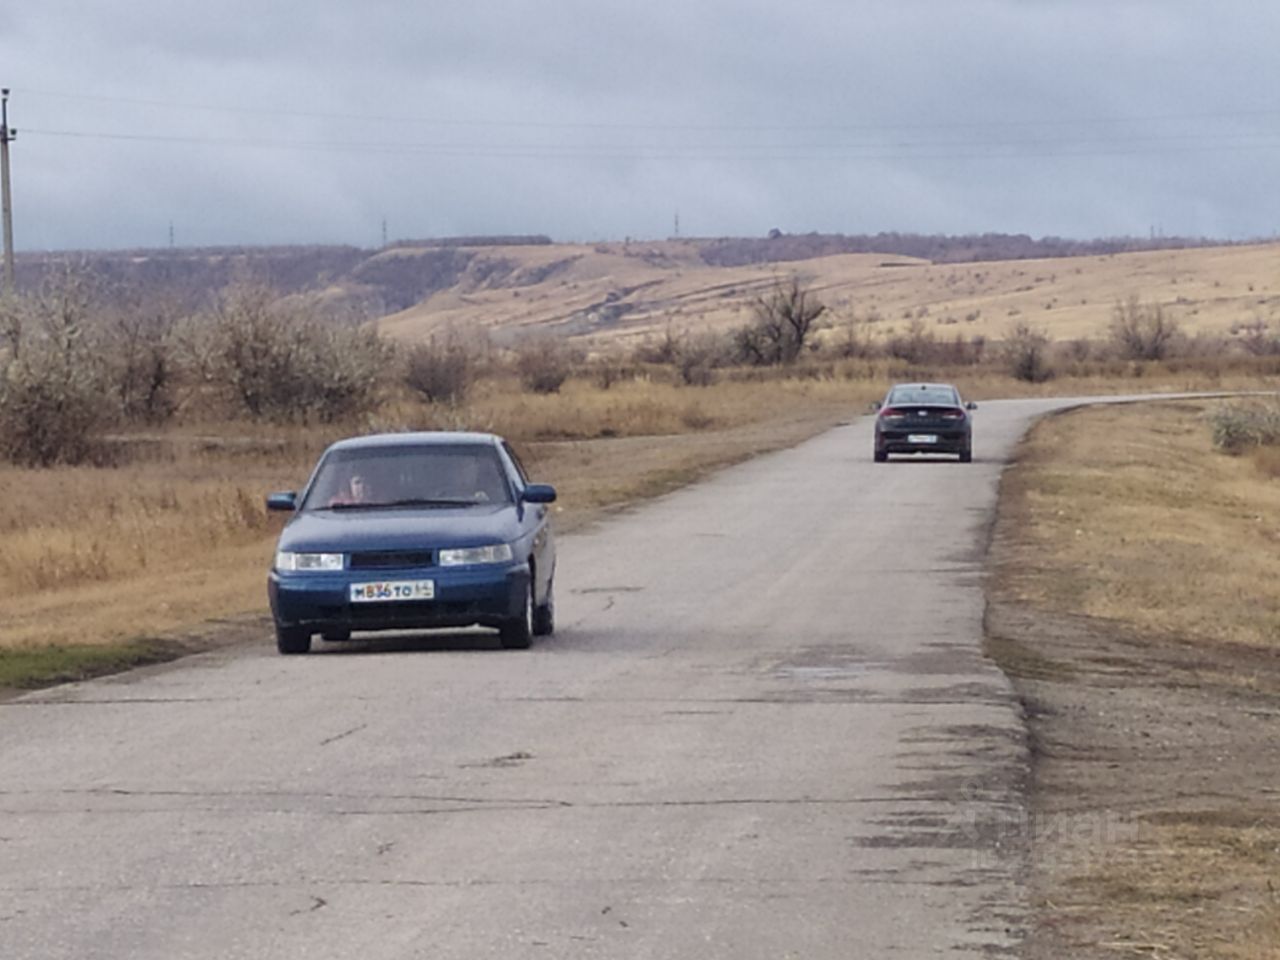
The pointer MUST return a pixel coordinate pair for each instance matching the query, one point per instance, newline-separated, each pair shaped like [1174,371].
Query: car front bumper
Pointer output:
[465,596]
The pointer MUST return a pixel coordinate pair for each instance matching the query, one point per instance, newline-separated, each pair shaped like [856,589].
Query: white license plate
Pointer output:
[393,590]
[922,438]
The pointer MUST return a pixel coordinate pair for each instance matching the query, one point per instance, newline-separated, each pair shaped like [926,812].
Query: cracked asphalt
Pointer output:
[764,728]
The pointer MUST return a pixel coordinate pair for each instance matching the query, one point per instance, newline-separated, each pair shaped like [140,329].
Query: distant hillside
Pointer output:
[509,286]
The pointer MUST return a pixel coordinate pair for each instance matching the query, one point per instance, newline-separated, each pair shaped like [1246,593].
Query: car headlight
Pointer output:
[498,553]
[287,560]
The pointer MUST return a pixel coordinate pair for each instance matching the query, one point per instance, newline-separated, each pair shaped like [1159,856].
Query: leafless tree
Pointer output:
[1142,331]
[784,321]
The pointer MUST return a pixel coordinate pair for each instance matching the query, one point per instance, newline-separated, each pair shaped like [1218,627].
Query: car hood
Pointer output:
[343,531]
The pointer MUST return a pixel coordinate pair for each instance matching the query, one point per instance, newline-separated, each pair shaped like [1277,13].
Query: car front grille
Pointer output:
[391,559]
[411,613]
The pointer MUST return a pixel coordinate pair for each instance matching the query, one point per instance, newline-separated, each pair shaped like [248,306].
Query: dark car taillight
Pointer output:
[952,414]
[892,413]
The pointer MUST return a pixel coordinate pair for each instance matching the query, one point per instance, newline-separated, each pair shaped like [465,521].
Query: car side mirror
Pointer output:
[283,501]
[971,405]
[538,493]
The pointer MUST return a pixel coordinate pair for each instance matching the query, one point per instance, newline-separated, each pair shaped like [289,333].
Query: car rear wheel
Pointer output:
[517,633]
[966,455]
[881,456]
[290,640]
[544,615]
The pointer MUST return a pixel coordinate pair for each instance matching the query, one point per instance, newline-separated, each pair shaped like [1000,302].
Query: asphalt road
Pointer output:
[764,729]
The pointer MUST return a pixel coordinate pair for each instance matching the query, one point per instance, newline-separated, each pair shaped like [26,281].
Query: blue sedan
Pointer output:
[414,531]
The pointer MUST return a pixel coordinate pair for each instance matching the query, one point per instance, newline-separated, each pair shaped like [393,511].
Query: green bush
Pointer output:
[1239,426]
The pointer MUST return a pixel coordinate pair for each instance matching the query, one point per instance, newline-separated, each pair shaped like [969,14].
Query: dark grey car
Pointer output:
[924,418]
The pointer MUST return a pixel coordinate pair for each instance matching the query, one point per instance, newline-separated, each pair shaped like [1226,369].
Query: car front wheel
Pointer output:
[544,615]
[517,633]
[290,640]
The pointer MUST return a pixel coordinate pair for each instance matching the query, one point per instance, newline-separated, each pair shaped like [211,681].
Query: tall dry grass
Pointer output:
[1135,516]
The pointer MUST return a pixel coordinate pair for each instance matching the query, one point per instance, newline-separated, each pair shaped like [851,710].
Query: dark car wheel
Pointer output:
[544,615]
[293,640]
[881,456]
[517,633]
[966,455]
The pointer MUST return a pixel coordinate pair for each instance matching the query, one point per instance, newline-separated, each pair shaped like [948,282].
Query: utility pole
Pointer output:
[6,137]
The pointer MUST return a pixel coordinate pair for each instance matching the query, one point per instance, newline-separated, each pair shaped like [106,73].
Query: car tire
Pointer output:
[966,455]
[517,633]
[292,640]
[544,615]
[881,456]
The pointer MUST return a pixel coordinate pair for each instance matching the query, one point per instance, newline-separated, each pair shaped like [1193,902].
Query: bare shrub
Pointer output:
[1026,354]
[962,351]
[280,361]
[916,346]
[1142,331]
[440,370]
[608,370]
[1239,426]
[1257,338]
[544,364]
[13,319]
[140,354]
[51,389]
[1079,350]
[698,357]
[856,339]
[661,350]
[784,321]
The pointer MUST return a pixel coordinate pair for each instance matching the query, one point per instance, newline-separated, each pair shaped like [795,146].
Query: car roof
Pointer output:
[417,439]
[917,385]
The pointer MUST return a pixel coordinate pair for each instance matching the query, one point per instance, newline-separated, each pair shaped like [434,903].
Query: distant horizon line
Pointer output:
[495,240]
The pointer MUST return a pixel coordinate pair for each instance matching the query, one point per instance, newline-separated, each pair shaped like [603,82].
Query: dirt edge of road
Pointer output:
[1154,826]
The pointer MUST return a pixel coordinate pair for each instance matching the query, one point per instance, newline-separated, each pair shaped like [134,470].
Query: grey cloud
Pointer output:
[1075,117]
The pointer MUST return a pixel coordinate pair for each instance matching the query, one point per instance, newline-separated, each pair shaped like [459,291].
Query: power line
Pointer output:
[675,127]
[906,150]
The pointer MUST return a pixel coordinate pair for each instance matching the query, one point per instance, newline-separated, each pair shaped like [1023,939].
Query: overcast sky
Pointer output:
[260,121]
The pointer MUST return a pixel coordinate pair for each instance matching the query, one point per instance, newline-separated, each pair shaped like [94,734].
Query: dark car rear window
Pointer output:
[943,395]
[471,473]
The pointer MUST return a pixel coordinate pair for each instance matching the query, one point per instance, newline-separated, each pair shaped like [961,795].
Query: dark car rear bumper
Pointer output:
[321,603]
[900,441]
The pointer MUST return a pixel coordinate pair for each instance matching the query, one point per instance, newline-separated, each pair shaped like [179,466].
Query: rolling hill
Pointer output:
[619,293]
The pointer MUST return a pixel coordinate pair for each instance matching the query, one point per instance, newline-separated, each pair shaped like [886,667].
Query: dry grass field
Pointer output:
[613,295]
[1146,523]
[1134,604]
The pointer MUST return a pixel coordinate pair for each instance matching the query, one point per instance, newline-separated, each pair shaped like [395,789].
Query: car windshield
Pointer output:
[444,475]
[922,394]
